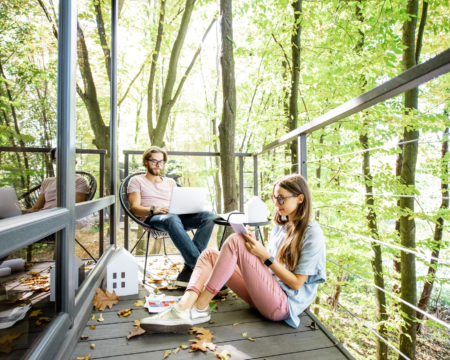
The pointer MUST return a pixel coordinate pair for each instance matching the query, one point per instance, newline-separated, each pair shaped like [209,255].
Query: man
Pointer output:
[149,196]
[47,191]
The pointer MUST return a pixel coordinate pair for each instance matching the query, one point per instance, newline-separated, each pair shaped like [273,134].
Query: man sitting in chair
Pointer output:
[47,196]
[149,197]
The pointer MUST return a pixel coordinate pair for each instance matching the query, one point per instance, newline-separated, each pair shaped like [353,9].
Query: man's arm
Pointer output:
[80,197]
[38,205]
[135,206]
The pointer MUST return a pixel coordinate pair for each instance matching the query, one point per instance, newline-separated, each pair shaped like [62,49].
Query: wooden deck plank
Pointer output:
[234,317]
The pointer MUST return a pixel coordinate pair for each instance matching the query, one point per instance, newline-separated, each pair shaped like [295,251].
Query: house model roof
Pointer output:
[120,255]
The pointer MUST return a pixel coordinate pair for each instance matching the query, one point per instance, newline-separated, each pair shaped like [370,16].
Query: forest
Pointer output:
[233,76]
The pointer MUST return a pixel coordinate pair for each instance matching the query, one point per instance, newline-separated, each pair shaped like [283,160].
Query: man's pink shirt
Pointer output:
[152,194]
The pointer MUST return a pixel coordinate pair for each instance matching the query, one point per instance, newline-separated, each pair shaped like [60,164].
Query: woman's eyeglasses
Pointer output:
[157,162]
[281,199]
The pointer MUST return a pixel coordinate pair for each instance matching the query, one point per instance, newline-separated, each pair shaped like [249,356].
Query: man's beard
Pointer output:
[153,171]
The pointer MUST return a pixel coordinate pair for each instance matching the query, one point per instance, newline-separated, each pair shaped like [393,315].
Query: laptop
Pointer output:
[9,205]
[187,200]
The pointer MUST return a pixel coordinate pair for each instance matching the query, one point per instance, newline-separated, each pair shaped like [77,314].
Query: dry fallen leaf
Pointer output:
[104,299]
[87,357]
[35,313]
[93,327]
[224,355]
[203,341]
[124,312]
[139,303]
[138,331]
[93,317]
[235,324]
[7,342]
[42,320]
[84,337]
[251,339]
[184,347]
[100,318]
[176,350]
[92,346]
[167,353]
[244,334]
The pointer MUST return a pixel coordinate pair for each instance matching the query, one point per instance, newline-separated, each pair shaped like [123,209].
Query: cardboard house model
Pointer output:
[255,210]
[122,274]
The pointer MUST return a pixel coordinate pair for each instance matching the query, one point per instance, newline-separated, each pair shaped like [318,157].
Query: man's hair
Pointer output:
[151,150]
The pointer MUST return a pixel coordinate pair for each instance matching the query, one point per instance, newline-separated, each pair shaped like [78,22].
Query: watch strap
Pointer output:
[269,261]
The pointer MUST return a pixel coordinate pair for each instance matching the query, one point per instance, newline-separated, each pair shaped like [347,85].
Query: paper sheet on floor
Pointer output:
[158,303]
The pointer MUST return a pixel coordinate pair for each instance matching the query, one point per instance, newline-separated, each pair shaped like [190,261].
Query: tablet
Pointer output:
[239,228]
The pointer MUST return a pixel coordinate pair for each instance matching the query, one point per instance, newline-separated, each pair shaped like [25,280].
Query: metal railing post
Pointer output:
[113,121]
[125,218]
[302,156]
[255,175]
[241,184]
[65,248]
[102,212]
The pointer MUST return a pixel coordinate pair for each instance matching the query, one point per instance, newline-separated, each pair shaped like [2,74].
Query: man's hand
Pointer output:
[255,247]
[163,210]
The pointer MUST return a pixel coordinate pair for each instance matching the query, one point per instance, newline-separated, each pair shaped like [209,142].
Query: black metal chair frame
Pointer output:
[151,232]
[31,196]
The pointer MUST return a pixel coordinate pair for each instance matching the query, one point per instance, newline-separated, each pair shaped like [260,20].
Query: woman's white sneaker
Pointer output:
[173,319]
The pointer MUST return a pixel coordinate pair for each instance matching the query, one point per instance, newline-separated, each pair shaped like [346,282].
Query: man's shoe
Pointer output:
[172,320]
[183,277]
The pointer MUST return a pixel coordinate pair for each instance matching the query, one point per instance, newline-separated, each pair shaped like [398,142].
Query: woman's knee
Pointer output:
[233,241]
[209,254]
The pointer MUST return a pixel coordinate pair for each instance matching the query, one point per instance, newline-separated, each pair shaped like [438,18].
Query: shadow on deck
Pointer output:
[234,317]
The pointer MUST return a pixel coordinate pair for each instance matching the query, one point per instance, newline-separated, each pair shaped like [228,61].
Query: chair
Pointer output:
[30,197]
[151,232]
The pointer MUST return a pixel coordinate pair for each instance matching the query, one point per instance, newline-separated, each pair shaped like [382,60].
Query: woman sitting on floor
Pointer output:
[280,281]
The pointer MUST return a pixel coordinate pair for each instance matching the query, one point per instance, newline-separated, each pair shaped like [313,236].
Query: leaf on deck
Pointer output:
[7,342]
[203,341]
[42,320]
[35,313]
[104,299]
[139,303]
[167,353]
[124,312]
[138,331]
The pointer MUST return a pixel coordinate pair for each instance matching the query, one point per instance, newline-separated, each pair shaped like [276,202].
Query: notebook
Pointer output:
[187,200]
[9,205]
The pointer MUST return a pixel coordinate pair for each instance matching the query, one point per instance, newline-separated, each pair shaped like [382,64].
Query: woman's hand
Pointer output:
[255,247]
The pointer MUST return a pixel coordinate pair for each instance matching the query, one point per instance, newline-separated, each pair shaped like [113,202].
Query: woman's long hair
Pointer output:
[291,246]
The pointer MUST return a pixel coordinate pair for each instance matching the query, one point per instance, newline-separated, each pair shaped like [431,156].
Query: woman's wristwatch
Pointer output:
[269,261]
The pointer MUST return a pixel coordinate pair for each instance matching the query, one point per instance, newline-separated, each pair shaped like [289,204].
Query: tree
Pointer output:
[227,125]
[407,178]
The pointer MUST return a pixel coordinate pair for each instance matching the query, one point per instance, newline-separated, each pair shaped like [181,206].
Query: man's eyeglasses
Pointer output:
[157,162]
[281,199]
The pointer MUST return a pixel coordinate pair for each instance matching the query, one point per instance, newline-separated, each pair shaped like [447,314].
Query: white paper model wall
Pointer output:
[122,274]
[255,210]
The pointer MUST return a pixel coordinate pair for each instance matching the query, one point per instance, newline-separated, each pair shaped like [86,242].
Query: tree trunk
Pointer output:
[295,79]
[227,125]
[151,80]
[377,260]
[102,35]
[407,178]
[437,239]
[167,101]
[371,216]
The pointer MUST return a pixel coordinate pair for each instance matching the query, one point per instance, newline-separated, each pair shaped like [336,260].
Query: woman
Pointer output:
[280,281]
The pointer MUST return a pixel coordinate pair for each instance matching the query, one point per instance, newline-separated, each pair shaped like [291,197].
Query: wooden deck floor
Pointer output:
[234,317]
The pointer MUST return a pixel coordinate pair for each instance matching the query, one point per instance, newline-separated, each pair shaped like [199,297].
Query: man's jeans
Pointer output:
[176,226]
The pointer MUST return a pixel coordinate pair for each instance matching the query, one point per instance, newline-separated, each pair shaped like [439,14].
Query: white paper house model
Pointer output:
[255,210]
[122,274]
